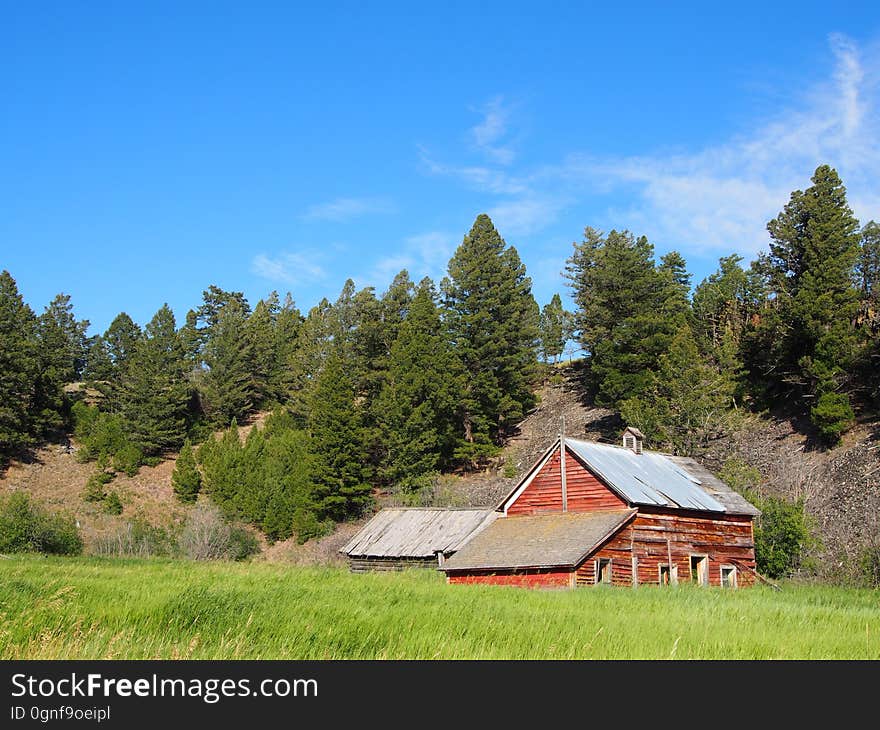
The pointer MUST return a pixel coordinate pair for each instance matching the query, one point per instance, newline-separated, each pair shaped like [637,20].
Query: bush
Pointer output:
[306,525]
[207,536]
[136,539]
[103,438]
[783,531]
[783,536]
[186,479]
[242,543]
[112,504]
[832,415]
[128,459]
[94,491]
[27,527]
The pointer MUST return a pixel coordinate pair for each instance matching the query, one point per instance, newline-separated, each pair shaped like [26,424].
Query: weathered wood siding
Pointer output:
[619,550]
[367,564]
[654,535]
[559,578]
[585,492]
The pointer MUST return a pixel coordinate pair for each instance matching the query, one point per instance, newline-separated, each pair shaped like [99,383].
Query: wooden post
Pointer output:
[562,464]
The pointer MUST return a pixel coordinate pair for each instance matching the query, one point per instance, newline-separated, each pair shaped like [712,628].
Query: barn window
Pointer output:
[667,576]
[603,570]
[700,569]
[728,576]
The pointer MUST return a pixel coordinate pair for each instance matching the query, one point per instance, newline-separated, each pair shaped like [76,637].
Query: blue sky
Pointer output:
[148,150]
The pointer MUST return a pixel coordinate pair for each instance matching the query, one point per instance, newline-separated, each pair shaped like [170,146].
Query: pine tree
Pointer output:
[62,356]
[628,310]
[687,401]
[814,249]
[154,393]
[493,323]
[287,326]
[417,407]
[121,339]
[228,389]
[186,479]
[261,333]
[19,365]
[341,489]
[553,329]
[313,343]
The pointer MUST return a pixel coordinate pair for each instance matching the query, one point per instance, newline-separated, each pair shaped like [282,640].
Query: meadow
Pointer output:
[106,608]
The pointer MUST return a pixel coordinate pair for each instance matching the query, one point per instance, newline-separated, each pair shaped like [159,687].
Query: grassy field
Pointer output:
[91,608]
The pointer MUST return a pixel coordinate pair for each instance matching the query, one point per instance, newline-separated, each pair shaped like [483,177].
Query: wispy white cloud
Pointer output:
[527,214]
[709,200]
[423,254]
[292,267]
[343,209]
[488,135]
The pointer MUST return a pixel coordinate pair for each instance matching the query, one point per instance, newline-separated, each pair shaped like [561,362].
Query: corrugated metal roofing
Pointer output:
[649,478]
[558,540]
[417,532]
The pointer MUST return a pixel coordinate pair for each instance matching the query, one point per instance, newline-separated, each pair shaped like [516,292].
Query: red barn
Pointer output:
[614,515]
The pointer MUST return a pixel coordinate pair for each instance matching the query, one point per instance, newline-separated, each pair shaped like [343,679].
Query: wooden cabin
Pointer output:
[413,537]
[589,513]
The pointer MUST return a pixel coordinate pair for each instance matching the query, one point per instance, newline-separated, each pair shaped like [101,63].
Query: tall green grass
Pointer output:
[91,608]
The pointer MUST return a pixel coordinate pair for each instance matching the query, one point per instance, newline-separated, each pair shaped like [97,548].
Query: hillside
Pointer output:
[841,487]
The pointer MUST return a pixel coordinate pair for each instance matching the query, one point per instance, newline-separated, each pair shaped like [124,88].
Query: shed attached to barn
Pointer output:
[412,537]
[593,513]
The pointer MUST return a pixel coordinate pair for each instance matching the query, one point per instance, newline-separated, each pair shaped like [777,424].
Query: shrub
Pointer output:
[94,491]
[783,536]
[186,479]
[112,504]
[306,525]
[27,527]
[832,415]
[242,543]
[135,538]
[128,459]
[207,536]
[783,531]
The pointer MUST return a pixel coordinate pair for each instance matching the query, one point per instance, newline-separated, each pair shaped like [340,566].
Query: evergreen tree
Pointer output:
[261,333]
[19,366]
[341,489]
[121,338]
[687,401]
[228,388]
[98,366]
[868,268]
[287,326]
[313,343]
[186,479]
[493,322]
[154,392]
[61,355]
[628,310]
[814,249]
[553,329]
[417,407]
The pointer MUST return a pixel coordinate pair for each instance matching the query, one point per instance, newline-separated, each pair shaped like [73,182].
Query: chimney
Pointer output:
[633,439]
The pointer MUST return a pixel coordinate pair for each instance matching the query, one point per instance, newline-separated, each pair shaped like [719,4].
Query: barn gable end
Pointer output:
[541,491]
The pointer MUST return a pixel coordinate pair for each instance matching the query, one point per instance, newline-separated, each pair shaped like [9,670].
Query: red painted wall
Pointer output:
[585,492]
[526,579]
[726,540]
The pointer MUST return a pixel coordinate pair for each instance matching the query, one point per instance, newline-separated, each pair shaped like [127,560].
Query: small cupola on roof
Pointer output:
[633,439]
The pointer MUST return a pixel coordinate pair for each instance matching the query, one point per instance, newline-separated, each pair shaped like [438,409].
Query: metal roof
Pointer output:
[417,532]
[648,478]
[558,540]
